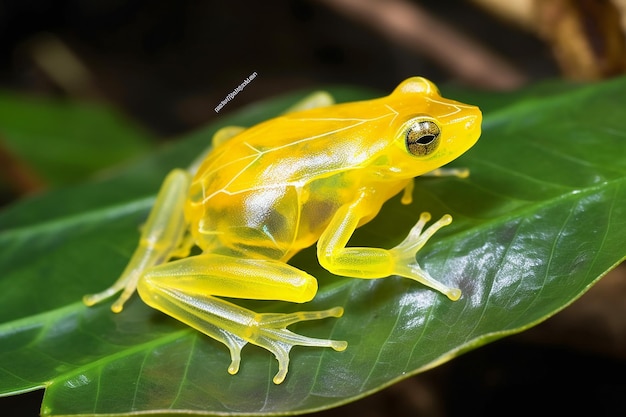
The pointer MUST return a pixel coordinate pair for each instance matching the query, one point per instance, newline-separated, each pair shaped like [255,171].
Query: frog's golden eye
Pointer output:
[422,137]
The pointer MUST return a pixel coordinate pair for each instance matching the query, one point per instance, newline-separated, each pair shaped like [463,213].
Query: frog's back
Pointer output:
[272,190]
[293,149]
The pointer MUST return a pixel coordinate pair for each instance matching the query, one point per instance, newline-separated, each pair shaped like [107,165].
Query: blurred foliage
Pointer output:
[58,142]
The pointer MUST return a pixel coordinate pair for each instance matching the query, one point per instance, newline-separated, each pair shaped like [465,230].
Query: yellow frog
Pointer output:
[264,193]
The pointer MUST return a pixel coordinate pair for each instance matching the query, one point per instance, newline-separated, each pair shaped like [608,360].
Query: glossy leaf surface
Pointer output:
[540,219]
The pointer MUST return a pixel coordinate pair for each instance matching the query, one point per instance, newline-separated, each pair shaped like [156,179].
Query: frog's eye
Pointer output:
[422,137]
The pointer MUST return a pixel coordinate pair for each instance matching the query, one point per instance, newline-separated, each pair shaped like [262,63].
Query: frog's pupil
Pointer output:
[425,140]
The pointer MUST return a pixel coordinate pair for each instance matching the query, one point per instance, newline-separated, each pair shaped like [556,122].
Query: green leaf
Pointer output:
[64,142]
[540,220]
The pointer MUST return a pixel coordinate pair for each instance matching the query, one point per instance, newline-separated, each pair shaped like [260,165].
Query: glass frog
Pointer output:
[261,194]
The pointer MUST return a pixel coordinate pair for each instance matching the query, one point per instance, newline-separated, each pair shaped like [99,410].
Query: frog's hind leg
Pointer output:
[185,290]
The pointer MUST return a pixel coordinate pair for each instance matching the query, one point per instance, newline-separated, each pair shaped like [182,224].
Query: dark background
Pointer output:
[170,63]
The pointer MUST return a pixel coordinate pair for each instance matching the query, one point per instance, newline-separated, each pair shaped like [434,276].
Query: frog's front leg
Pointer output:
[407,195]
[360,262]
[185,290]
[448,172]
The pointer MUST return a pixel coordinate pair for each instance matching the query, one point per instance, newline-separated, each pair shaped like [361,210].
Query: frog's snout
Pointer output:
[474,119]
[472,125]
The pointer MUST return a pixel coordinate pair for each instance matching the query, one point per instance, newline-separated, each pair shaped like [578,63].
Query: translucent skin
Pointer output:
[264,193]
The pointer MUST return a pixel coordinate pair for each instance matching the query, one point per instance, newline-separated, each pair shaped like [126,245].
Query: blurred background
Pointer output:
[165,66]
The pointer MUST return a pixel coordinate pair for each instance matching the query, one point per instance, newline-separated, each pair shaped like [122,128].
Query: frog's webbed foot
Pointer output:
[236,326]
[404,254]
[270,332]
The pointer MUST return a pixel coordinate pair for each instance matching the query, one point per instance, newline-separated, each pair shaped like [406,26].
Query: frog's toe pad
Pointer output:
[233,368]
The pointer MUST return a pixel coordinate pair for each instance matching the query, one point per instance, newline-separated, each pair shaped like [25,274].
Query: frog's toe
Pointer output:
[282,320]
[418,237]
[404,255]
[93,299]
[453,293]
[234,344]
[271,334]
[235,361]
